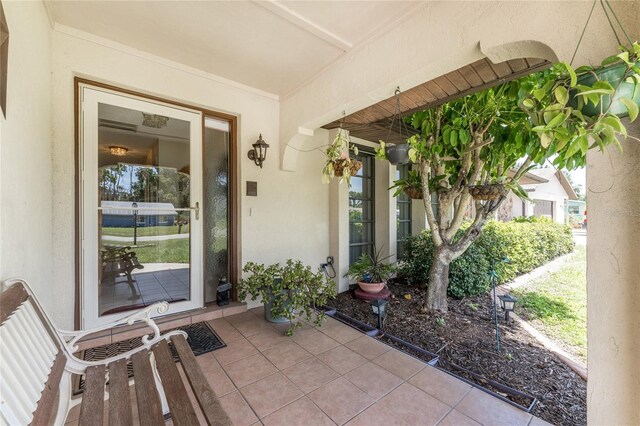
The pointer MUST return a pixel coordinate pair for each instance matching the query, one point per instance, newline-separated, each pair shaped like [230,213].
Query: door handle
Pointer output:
[197,210]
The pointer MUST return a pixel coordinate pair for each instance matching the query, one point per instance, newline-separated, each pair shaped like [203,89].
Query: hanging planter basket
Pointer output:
[488,192]
[398,154]
[614,75]
[413,193]
[352,166]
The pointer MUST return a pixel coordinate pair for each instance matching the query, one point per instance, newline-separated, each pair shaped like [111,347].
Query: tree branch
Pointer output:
[425,169]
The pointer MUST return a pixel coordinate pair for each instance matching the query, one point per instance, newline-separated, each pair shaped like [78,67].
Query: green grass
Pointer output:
[557,304]
[169,251]
[145,231]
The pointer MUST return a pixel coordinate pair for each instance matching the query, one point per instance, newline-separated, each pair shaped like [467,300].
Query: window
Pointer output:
[140,220]
[163,219]
[361,208]
[403,213]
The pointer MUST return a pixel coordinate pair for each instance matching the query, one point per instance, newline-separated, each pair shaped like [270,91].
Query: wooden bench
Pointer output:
[118,262]
[37,362]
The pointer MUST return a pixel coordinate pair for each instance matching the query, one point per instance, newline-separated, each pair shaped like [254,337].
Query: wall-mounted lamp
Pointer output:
[118,150]
[259,151]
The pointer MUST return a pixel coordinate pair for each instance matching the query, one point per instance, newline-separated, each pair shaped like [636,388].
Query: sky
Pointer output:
[579,178]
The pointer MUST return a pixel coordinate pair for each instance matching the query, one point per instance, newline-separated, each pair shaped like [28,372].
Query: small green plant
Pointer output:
[293,289]
[440,321]
[371,269]
[508,356]
[473,306]
[412,183]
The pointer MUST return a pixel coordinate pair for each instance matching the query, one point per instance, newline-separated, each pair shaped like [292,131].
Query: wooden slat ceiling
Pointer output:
[373,123]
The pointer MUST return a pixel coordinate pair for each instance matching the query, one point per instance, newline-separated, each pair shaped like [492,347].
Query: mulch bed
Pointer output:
[467,339]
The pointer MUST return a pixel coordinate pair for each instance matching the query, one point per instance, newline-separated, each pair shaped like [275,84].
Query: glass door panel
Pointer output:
[145,161]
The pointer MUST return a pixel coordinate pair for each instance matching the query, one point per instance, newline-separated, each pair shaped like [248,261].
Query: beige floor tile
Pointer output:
[456,418]
[342,359]
[270,394]
[340,332]
[234,351]
[268,338]
[253,326]
[286,354]
[310,374]
[226,331]
[441,385]
[341,400]
[302,412]
[487,409]
[215,375]
[238,318]
[314,341]
[368,347]
[406,405]
[258,311]
[536,421]
[249,370]
[374,380]
[400,364]
[238,410]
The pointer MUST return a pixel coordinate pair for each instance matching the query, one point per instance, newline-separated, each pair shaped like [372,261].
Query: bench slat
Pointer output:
[10,299]
[149,406]
[119,399]
[92,408]
[209,403]
[182,412]
[45,408]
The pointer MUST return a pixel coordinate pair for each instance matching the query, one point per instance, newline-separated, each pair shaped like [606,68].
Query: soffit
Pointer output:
[373,123]
[270,45]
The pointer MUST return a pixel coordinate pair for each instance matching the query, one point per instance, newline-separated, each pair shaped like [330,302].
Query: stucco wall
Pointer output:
[613,276]
[25,152]
[288,218]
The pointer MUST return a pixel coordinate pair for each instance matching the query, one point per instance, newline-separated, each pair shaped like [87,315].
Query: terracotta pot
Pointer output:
[372,288]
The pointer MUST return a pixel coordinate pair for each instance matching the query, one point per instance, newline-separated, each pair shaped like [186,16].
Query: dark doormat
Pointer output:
[201,338]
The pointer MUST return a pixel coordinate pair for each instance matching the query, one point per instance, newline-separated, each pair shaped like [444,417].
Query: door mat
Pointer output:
[201,338]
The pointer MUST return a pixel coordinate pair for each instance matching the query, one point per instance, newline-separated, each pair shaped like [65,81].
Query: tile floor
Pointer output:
[150,287]
[334,375]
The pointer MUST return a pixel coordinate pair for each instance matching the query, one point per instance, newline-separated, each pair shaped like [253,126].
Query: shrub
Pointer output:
[527,244]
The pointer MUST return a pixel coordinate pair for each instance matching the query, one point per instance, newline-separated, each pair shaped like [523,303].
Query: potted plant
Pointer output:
[371,272]
[411,185]
[338,161]
[287,291]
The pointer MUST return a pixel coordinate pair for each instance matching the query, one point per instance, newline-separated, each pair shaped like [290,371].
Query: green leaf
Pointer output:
[539,94]
[573,148]
[453,138]
[572,73]
[610,60]
[625,57]
[561,94]
[528,103]
[632,107]
[545,139]
[557,120]
[583,142]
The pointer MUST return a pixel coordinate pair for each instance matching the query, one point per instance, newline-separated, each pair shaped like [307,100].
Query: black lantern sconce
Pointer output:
[379,307]
[508,304]
[259,151]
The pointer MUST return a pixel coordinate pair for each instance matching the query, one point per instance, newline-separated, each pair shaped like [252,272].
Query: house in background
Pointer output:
[120,214]
[550,192]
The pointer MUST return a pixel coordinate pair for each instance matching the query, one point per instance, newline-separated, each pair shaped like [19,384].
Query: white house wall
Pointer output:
[550,191]
[25,153]
[288,218]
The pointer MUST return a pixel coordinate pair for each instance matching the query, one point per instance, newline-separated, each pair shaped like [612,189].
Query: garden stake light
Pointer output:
[508,304]
[379,307]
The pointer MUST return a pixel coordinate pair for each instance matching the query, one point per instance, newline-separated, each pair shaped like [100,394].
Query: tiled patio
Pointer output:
[335,375]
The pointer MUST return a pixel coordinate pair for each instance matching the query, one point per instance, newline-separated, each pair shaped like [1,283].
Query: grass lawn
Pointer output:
[168,251]
[557,304]
[145,231]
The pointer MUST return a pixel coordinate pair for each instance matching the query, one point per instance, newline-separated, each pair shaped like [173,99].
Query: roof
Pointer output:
[125,208]
[545,174]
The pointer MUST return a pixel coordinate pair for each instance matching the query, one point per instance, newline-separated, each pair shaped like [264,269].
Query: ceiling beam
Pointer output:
[304,23]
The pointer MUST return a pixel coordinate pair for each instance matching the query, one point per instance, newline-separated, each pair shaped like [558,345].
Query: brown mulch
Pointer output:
[467,339]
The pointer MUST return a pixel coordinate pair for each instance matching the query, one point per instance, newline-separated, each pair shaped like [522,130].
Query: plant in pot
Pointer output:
[371,272]
[338,163]
[287,291]
[411,185]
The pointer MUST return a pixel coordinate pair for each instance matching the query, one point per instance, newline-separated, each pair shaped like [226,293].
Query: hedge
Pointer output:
[526,243]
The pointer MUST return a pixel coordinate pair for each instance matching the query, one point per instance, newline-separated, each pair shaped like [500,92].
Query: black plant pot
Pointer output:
[398,154]
[614,75]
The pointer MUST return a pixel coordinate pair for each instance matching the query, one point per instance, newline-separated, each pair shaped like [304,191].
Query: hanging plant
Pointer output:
[398,151]
[339,163]
[411,186]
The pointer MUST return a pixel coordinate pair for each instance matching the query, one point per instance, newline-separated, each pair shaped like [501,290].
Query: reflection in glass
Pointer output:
[144,199]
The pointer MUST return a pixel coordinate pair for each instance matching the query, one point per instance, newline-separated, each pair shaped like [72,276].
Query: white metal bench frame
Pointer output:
[20,349]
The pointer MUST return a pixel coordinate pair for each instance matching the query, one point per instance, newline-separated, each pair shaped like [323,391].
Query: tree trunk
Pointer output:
[436,300]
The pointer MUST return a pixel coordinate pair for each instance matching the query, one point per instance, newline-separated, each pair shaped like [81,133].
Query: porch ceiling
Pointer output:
[274,46]
[372,123]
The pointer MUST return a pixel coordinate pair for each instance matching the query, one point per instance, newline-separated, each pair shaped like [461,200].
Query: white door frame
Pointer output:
[90,97]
